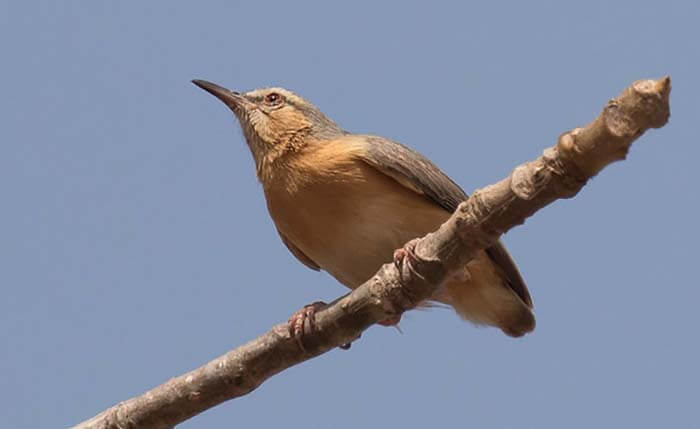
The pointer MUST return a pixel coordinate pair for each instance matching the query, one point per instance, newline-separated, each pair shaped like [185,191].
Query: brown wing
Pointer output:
[301,256]
[419,174]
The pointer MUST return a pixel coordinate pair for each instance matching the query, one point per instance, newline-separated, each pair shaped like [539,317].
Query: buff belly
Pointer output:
[350,229]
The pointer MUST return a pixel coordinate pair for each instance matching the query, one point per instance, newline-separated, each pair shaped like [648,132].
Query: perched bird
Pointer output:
[344,202]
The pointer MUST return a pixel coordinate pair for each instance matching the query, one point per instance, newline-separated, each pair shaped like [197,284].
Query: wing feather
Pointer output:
[416,172]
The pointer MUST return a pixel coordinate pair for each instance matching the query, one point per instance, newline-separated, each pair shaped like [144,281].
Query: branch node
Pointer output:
[654,100]
[528,179]
[619,121]
[560,161]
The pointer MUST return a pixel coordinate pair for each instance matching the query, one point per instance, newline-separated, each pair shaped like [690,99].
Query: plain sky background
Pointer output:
[135,243]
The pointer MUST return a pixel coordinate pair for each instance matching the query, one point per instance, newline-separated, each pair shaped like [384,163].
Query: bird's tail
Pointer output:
[482,297]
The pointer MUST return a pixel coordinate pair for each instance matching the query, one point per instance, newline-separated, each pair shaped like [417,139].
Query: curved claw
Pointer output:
[406,255]
[296,321]
[403,257]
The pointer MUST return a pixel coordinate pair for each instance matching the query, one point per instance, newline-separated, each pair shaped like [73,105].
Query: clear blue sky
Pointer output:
[135,243]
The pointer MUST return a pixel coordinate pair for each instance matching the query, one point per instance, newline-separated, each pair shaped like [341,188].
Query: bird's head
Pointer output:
[274,120]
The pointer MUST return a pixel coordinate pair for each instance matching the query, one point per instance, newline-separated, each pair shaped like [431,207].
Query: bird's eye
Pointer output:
[273,99]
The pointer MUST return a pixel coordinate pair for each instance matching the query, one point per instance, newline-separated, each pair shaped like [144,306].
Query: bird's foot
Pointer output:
[404,257]
[296,321]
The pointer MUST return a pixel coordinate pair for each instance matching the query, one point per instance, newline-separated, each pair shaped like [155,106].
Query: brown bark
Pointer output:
[559,173]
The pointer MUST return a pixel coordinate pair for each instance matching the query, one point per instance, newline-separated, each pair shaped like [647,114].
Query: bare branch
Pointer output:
[560,172]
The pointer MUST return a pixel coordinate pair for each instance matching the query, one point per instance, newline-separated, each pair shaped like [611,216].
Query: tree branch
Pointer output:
[560,172]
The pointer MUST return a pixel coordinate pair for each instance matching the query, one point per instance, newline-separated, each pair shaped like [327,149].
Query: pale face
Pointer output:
[274,119]
[274,115]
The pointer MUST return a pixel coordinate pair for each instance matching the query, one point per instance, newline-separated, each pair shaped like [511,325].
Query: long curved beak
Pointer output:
[232,99]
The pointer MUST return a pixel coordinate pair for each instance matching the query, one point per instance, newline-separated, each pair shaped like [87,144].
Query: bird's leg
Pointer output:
[296,321]
[404,256]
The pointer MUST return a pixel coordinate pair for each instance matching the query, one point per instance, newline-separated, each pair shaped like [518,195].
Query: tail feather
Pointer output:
[485,298]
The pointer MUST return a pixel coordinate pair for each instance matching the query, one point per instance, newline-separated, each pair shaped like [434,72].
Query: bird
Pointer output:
[344,202]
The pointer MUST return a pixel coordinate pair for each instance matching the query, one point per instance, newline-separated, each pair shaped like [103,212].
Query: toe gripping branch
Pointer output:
[413,285]
[410,291]
[296,322]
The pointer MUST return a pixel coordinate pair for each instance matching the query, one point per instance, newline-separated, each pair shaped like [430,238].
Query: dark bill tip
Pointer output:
[232,99]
